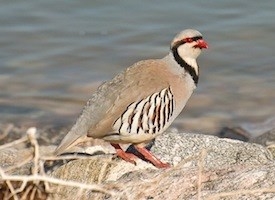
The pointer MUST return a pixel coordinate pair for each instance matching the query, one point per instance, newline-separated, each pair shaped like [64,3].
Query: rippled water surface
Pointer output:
[55,53]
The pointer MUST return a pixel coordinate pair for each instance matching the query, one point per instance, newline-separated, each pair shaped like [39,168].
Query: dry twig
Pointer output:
[37,185]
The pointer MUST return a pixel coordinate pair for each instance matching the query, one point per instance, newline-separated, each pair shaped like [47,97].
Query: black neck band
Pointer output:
[183,64]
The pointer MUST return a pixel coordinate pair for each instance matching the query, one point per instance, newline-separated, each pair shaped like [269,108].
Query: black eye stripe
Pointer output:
[196,38]
[181,42]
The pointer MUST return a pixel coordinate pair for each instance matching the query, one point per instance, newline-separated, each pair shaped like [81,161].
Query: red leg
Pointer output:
[129,157]
[150,157]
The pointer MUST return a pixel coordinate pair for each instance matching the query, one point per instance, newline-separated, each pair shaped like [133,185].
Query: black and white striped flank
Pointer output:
[148,115]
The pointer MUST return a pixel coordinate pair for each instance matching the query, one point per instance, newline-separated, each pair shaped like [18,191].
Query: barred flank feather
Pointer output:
[148,115]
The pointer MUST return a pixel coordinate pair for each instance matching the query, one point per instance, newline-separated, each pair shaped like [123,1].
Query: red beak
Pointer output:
[201,44]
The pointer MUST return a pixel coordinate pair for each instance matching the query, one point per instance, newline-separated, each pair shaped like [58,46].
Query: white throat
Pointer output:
[192,62]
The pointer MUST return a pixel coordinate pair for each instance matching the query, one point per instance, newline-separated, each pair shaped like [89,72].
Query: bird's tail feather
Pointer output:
[68,141]
[79,130]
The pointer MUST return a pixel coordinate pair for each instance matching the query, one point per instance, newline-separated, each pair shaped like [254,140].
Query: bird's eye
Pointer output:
[188,40]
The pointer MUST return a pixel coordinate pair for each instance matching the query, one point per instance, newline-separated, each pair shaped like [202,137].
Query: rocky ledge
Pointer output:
[204,167]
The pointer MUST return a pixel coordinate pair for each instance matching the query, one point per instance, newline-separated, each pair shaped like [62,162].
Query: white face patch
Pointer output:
[188,50]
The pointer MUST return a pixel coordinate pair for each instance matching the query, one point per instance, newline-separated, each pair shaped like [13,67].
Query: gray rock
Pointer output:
[11,159]
[205,167]
[266,139]
[174,147]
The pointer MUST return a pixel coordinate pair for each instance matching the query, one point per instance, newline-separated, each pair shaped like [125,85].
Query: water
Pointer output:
[55,53]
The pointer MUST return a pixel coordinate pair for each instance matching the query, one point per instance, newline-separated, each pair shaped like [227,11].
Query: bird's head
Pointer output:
[188,44]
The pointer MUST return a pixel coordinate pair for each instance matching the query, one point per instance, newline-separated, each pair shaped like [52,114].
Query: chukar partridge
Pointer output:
[142,101]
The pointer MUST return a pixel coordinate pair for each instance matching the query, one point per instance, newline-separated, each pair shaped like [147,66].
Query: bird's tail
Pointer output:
[68,141]
[78,131]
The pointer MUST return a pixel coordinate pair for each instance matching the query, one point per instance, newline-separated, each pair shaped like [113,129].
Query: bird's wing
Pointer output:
[112,98]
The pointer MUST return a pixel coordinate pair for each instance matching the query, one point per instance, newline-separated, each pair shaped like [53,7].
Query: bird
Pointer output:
[142,101]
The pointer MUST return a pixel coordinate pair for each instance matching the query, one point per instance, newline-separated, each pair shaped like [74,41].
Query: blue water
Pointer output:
[55,53]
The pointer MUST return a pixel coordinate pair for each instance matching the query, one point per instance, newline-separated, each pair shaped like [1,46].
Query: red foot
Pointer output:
[129,157]
[150,157]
